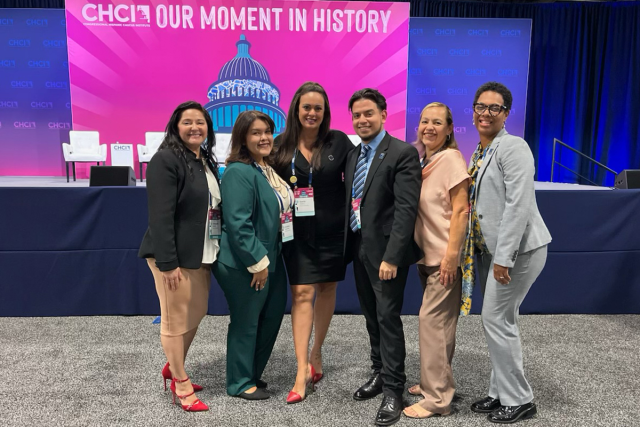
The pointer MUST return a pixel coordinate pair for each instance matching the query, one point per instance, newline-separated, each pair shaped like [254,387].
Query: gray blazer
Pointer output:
[506,200]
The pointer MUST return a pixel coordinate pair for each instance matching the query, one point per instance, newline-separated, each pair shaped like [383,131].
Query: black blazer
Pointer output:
[389,203]
[178,204]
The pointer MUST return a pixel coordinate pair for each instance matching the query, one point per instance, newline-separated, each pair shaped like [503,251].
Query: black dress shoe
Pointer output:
[370,389]
[390,411]
[486,405]
[259,394]
[511,414]
[261,384]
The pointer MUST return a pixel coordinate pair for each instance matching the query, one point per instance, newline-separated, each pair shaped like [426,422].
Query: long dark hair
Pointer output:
[293,128]
[173,141]
[238,152]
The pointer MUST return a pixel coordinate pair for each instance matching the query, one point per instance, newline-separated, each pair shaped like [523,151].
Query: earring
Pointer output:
[448,137]
[473,122]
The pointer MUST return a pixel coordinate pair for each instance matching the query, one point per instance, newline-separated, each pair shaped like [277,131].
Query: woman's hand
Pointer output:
[172,278]
[260,279]
[501,274]
[448,270]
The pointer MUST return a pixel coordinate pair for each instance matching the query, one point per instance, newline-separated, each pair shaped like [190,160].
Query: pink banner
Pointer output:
[131,64]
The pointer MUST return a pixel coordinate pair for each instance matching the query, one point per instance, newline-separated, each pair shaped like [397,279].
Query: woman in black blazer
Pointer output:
[181,242]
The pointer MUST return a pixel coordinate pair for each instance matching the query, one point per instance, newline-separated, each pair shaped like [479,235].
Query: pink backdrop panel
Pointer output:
[129,67]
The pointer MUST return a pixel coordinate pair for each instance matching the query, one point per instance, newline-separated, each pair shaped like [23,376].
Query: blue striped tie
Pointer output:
[358,181]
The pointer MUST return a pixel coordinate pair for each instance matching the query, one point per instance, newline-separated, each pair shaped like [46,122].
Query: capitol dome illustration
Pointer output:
[243,84]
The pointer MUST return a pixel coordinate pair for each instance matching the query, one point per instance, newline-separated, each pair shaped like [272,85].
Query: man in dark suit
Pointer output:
[383,178]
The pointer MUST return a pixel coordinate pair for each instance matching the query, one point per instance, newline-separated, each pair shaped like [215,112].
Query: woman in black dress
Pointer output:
[311,158]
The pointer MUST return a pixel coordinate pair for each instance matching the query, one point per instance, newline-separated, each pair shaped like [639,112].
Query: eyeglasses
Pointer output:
[494,109]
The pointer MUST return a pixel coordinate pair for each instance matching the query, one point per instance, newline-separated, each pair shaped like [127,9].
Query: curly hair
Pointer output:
[497,88]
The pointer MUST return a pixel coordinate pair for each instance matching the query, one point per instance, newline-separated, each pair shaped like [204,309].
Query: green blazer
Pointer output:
[251,218]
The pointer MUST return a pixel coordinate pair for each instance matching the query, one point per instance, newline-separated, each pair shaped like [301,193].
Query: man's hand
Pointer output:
[388,271]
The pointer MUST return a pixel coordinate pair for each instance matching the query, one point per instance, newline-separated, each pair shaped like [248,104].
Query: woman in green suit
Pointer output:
[250,268]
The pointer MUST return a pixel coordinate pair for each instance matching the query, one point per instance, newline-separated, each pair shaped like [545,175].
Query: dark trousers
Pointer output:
[381,303]
[254,322]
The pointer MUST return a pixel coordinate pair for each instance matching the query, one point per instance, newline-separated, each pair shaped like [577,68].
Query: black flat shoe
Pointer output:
[259,394]
[390,411]
[370,389]
[511,414]
[261,384]
[486,405]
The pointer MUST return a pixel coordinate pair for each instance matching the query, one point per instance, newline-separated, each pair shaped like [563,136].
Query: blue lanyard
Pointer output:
[280,199]
[293,168]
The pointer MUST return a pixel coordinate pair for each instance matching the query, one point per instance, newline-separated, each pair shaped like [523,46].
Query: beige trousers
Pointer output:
[438,320]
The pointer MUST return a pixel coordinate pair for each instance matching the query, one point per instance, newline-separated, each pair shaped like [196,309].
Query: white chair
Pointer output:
[223,143]
[84,146]
[152,141]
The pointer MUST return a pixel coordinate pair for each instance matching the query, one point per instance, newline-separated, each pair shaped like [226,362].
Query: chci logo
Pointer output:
[24,125]
[37,23]
[56,85]
[22,84]
[19,42]
[59,125]
[120,13]
[42,105]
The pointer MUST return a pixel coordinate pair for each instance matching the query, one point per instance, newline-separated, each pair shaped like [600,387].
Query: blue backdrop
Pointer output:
[584,79]
[450,58]
[35,114]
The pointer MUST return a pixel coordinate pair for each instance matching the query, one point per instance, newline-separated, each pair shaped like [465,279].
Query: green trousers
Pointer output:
[256,317]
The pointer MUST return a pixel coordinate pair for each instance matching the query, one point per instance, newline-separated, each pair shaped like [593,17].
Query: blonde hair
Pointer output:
[449,142]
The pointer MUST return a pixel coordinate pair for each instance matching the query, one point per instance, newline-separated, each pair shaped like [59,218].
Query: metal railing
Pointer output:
[553,161]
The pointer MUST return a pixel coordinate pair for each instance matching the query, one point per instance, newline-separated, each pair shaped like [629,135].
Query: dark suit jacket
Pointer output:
[178,206]
[389,203]
[251,217]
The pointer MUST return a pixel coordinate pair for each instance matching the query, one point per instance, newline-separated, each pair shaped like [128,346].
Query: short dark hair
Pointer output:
[239,151]
[370,94]
[497,88]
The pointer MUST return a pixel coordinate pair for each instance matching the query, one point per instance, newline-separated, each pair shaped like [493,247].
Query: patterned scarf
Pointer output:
[474,240]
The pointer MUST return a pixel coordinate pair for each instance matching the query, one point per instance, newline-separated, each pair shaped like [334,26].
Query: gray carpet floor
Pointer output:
[105,371]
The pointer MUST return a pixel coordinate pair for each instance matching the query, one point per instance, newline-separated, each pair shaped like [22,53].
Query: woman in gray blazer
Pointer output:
[506,245]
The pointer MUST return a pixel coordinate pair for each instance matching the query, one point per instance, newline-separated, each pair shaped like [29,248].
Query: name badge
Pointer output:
[287,226]
[215,224]
[304,201]
[355,204]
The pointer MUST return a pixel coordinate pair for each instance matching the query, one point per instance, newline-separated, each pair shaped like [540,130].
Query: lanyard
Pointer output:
[280,199]
[294,180]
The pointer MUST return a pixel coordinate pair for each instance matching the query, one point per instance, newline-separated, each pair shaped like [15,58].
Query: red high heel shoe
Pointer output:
[166,374]
[316,376]
[310,387]
[196,406]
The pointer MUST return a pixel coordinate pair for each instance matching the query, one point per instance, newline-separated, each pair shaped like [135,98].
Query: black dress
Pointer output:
[315,255]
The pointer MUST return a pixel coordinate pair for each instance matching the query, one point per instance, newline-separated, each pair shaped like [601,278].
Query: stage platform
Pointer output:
[70,249]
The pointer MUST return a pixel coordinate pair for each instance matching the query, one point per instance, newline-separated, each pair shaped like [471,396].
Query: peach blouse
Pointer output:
[444,171]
